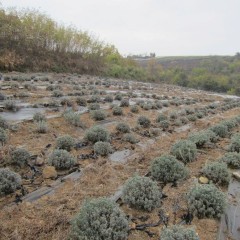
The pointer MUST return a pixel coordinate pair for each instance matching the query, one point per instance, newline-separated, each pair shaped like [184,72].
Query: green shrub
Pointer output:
[20,156]
[217,172]
[129,138]
[173,115]
[142,193]
[161,117]
[118,97]
[123,127]
[184,150]
[168,169]
[3,136]
[206,201]
[192,117]
[178,232]
[102,148]
[108,98]
[154,132]
[94,99]
[96,134]
[98,115]
[200,138]
[81,101]
[235,143]
[61,159]
[144,121]
[124,103]
[3,123]
[42,127]
[65,142]
[100,219]
[117,111]
[164,124]
[230,124]
[9,181]
[38,116]
[10,105]
[134,109]
[94,106]
[73,118]
[57,93]
[220,130]
[232,159]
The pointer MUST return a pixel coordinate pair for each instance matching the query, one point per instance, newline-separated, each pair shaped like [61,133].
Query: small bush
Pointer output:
[161,117]
[108,98]
[38,116]
[164,124]
[65,142]
[206,201]
[100,219]
[3,136]
[20,156]
[81,101]
[98,115]
[173,115]
[134,109]
[118,97]
[192,117]
[178,232]
[232,159]
[94,99]
[123,127]
[9,181]
[96,134]
[117,111]
[144,121]
[235,143]
[220,130]
[124,103]
[94,106]
[168,169]
[73,118]
[102,148]
[217,172]
[202,137]
[10,105]
[142,193]
[3,123]
[61,159]
[184,150]
[129,138]
[57,93]
[230,124]
[42,127]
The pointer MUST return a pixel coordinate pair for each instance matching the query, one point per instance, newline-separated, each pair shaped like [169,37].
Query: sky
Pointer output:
[164,27]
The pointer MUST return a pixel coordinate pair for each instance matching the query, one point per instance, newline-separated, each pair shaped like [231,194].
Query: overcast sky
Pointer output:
[166,27]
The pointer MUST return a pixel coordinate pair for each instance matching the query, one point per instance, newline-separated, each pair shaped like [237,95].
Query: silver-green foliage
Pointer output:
[96,134]
[124,102]
[217,172]
[98,115]
[73,118]
[61,159]
[123,127]
[100,219]
[128,137]
[42,127]
[168,169]
[235,143]
[102,148]
[206,201]
[184,150]
[142,193]
[117,111]
[9,181]
[178,232]
[144,121]
[202,137]
[3,136]
[38,116]
[65,142]
[220,130]
[20,156]
[232,159]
